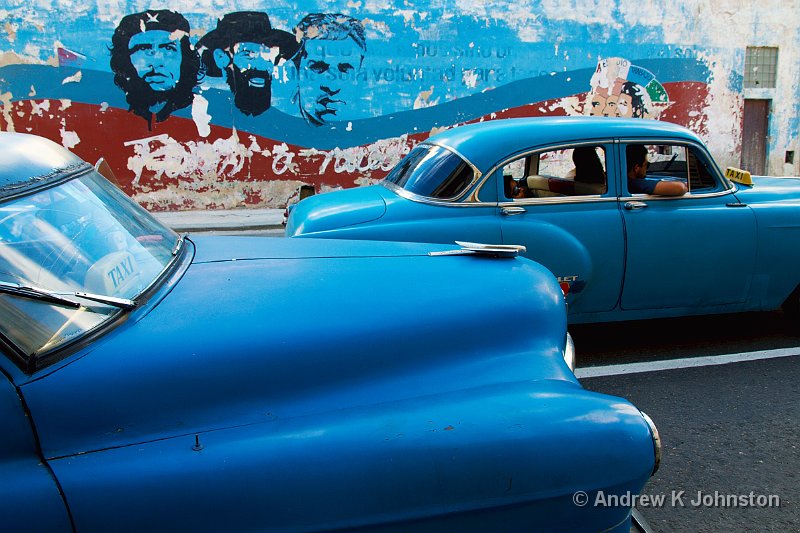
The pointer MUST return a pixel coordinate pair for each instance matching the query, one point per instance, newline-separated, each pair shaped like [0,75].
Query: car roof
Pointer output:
[28,162]
[484,143]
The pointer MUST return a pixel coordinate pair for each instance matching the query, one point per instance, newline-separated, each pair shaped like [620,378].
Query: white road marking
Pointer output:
[689,362]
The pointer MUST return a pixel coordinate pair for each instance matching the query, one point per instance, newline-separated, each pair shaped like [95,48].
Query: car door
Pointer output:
[696,251]
[567,218]
[29,495]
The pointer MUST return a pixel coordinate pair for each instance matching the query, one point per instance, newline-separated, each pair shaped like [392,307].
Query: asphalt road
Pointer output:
[730,432]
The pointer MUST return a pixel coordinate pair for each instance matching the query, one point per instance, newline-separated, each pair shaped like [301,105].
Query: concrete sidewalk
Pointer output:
[222,220]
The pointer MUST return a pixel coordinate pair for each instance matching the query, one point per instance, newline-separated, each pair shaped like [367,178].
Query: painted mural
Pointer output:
[196,109]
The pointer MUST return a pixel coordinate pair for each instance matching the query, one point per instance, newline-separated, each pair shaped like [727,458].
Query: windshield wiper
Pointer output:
[44,295]
[37,294]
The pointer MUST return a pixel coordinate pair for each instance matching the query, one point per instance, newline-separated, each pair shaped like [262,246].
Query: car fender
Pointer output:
[775,203]
[315,213]
[427,458]
[29,496]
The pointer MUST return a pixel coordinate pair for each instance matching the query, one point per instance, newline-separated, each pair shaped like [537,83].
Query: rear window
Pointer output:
[432,171]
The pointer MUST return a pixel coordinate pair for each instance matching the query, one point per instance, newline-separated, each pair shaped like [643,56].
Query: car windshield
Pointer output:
[432,171]
[58,244]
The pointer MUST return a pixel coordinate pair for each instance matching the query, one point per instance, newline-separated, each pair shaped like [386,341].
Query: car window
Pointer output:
[432,171]
[680,163]
[577,171]
[85,236]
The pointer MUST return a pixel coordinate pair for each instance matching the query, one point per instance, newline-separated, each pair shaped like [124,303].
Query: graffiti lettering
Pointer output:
[283,160]
[164,157]
[382,155]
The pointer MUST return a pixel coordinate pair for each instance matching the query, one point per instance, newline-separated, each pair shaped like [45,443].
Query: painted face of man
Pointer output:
[610,109]
[327,77]
[259,59]
[250,76]
[156,56]
[596,104]
[624,105]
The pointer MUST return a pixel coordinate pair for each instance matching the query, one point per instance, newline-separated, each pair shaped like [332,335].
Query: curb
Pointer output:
[222,220]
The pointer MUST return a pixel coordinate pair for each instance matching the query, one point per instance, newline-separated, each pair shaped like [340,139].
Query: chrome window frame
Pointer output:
[472,191]
[727,185]
[554,199]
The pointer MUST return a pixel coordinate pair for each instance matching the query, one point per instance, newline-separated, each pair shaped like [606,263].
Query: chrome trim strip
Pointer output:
[559,200]
[569,353]
[430,201]
[656,441]
[638,519]
[650,197]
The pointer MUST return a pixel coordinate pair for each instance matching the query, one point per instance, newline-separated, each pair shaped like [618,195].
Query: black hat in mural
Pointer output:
[248,27]
[152,19]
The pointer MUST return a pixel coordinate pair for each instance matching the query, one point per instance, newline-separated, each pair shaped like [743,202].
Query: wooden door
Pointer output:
[754,136]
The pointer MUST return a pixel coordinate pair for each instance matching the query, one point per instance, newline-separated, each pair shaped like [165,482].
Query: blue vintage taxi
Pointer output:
[580,194]
[154,382]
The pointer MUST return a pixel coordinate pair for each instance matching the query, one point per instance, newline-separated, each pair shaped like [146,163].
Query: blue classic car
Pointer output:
[149,381]
[579,194]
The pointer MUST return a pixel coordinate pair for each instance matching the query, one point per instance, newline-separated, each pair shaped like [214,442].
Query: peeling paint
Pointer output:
[428,66]
[5,99]
[200,116]
[40,108]
[11,32]
[75,78]
[69,139]
[470,78]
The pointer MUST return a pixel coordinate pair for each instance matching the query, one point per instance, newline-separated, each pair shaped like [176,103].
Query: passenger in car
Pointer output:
[514,188]
[639,183]
[589,175]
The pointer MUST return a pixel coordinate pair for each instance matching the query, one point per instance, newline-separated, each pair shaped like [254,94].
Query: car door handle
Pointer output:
[513,210]
[631,206]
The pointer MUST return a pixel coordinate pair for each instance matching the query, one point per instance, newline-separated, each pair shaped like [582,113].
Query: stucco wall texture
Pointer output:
[219,105]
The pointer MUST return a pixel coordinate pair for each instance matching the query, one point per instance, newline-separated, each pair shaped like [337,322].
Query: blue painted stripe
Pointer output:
[97,87]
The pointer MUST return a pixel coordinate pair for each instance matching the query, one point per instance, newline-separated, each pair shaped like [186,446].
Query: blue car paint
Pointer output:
[300,405]
[349,467]
[283,365]
[775,204]
[29,496]
[735,250]
[280,384]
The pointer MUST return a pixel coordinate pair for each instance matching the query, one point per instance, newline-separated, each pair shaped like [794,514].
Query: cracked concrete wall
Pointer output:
[337,92]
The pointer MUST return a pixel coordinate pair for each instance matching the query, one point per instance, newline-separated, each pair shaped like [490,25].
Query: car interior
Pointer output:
[579,171]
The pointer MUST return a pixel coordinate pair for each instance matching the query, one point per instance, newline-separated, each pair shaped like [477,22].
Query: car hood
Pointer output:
[336,209]
[261,328]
